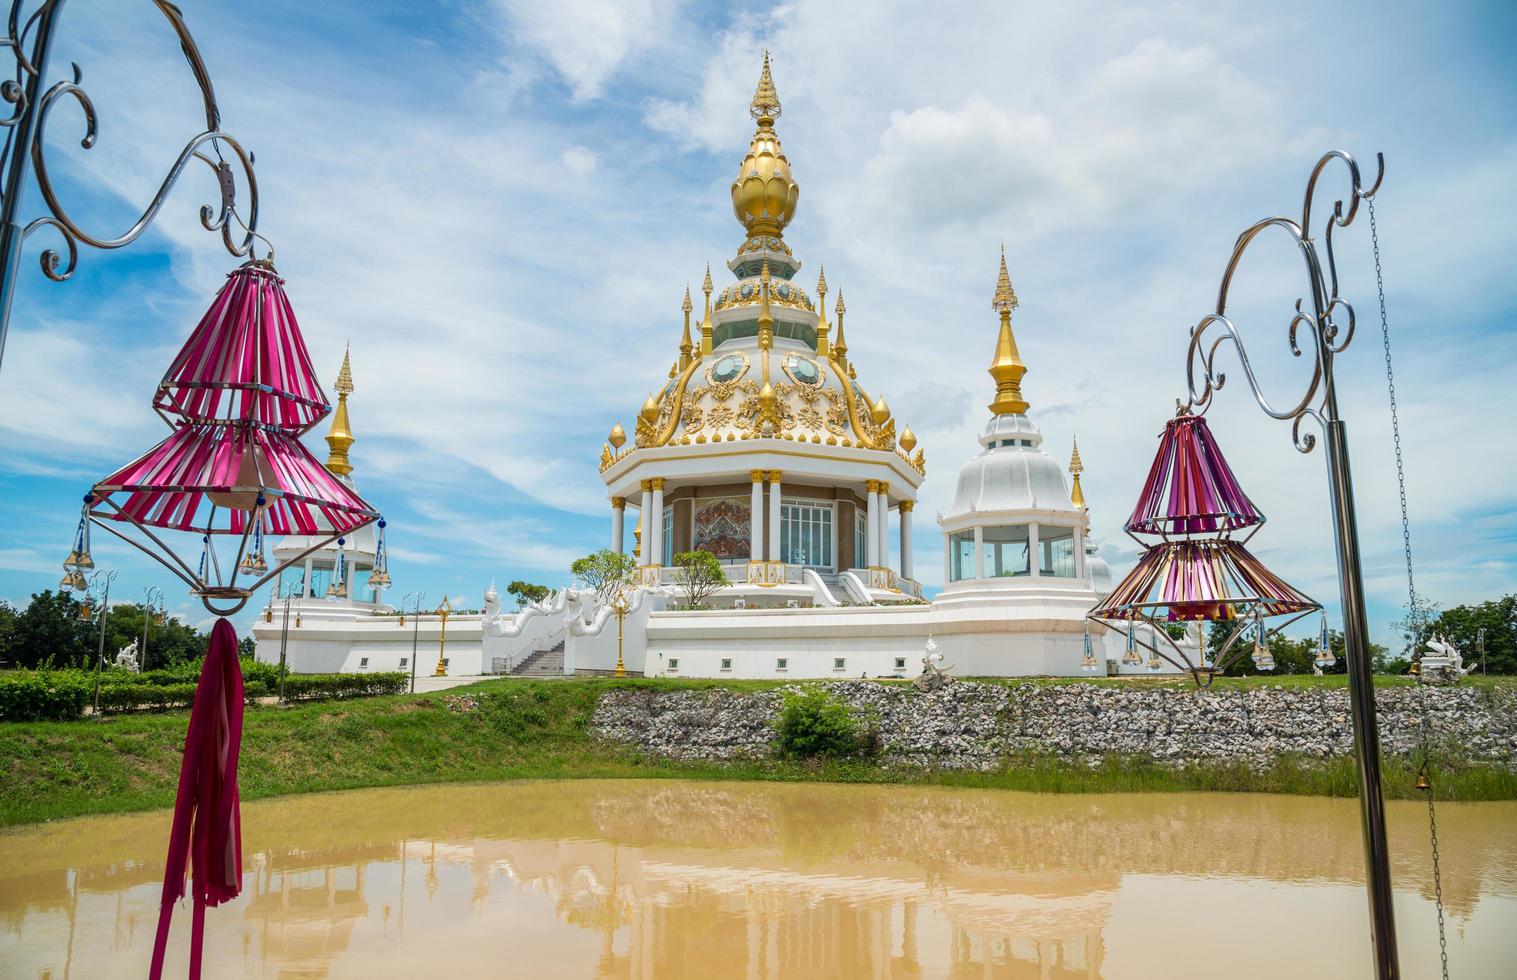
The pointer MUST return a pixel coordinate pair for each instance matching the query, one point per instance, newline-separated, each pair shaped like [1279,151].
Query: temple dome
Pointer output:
[764,194]
[1010,473]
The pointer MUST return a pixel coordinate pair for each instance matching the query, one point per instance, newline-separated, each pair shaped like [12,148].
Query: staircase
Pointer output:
[543,663]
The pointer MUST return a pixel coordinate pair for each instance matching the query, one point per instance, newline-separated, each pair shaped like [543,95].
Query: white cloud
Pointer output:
[587,41]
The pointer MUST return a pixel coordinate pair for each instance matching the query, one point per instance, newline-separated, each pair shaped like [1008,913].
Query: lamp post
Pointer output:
[288,595]
[105,611]
[415,628]
[1480,648]
[619,606]
[443,611]
[30,39]
[149,594]
[1324,338]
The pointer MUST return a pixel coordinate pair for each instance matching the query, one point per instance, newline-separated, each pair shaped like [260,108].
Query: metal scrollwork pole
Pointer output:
[1329,328]
[30,40]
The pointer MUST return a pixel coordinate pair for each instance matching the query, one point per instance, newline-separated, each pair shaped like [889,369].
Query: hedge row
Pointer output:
[64,695]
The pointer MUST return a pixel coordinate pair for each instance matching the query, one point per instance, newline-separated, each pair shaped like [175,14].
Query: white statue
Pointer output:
[934,675]
[492,602]
[1442,661]
[126,657]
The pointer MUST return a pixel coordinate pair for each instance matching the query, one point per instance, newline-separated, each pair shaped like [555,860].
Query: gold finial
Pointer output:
[821,312]
[766,315]
[840,347]
[340,436]
[706,325]
[686,347]
[879,411]
[1007,369]
[908,439]
[766,102]
[764,193]
[650,410]
[618,436]
[1076,495]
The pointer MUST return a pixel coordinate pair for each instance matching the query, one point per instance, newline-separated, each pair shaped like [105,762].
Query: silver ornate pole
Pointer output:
[30,39]
[1327,338]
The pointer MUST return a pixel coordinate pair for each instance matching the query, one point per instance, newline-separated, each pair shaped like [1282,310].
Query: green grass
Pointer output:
[523,729]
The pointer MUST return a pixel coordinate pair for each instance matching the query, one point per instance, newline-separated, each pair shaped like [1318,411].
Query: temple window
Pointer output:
[839,663]
[726,663]
[961,556]
[1058,551]
[667,554]
[806,533]
[860,537]
[782,663]
[1006,550]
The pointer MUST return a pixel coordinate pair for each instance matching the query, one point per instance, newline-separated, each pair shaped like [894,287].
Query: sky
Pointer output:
[499,205]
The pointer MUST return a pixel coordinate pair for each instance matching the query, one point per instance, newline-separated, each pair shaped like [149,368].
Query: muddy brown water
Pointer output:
[746,880]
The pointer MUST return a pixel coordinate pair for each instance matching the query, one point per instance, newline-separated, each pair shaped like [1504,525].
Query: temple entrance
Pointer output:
[806,534]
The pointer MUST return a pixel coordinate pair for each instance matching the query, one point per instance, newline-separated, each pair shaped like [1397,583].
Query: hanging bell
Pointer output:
[86,611]
[67,581]
[1155,664]
[268,614]
[402,619]
[1423,783]
[1131,658]
[1415,669]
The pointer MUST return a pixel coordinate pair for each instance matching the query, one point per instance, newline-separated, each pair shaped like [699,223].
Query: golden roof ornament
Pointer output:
[879,411]
[650,410]
[840,347]
[1076,495]
[706,324]
[764,194]
[1007,368]
[908,439]
[766,315]
[618,436]
[821,312]
[340,436]
[686,346]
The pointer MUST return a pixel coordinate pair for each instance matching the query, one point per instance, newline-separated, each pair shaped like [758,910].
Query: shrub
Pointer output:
[134,697]
[310,687]
[813,724]
[43,696]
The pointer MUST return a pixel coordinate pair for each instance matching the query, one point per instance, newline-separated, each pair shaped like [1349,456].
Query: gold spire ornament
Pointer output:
[908,440]
[821,312]
[1076,495]
[879,411]
[706,325]
[340,436]
[686,347]
[764,194]
[618,436]
[1007,369]
[766,315]
[650,410]
[840,348]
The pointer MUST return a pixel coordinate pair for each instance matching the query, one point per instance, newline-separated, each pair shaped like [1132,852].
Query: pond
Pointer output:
[750,880]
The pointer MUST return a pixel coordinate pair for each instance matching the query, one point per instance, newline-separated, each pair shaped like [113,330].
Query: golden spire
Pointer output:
[340,436]
[706,326]
[840,347]
[1007,369]
[821,312]
[685,345]
[766,101]
[766,315]
[764,194]
[617,437]
[1076,495]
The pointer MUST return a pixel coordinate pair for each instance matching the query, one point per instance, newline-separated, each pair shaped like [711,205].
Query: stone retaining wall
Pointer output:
[975,725]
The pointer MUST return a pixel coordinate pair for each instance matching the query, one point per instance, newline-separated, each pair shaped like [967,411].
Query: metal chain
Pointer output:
[1414,612]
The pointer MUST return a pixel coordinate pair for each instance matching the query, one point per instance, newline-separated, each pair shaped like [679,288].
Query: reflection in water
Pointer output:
[671,879]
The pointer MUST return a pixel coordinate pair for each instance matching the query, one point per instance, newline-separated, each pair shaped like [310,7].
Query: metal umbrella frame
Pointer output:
[1198,580]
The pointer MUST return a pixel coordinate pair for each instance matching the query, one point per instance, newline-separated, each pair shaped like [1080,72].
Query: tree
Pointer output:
[698,575]
[1461,626]
[8,617]
[526,592]
[604,571]
[48,633]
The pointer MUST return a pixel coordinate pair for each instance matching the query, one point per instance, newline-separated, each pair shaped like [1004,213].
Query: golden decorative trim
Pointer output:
[646,486]
[774,476]
[657,483]
[872,486]
[618,503]
[907,506]
[756,475]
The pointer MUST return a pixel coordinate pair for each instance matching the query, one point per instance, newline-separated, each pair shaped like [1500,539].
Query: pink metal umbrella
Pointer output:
[1190,488]
[1201,579]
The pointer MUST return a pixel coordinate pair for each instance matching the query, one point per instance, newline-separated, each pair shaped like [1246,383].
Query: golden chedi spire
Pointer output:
[1007,368]
[340,436]
[706,325]
[840,346]
[822,329]
[766,314]
[686,346]
[764,193]
[1076,495]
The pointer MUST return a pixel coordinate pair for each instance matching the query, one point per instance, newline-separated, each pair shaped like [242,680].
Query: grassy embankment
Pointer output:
[524,729]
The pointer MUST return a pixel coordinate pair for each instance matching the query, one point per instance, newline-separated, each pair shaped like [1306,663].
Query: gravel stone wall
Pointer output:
[975,725]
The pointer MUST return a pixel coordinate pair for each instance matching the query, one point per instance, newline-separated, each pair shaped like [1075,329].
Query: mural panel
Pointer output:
[722,527]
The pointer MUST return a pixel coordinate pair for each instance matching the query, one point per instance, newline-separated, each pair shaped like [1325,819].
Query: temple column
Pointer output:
[884,524]
[774,516]
[979,552]
[644,549]
[872,524]
[1080,553]
[656,515]
[906,508]
[1034,552]
[756,517]
[618,514]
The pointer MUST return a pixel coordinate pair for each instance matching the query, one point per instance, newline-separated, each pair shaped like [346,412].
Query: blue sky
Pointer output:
[499,205]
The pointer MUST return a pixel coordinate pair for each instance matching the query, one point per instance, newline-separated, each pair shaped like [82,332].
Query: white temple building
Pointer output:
[764,448]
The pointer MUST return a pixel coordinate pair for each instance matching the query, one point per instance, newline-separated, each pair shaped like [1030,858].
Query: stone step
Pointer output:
[543,663]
